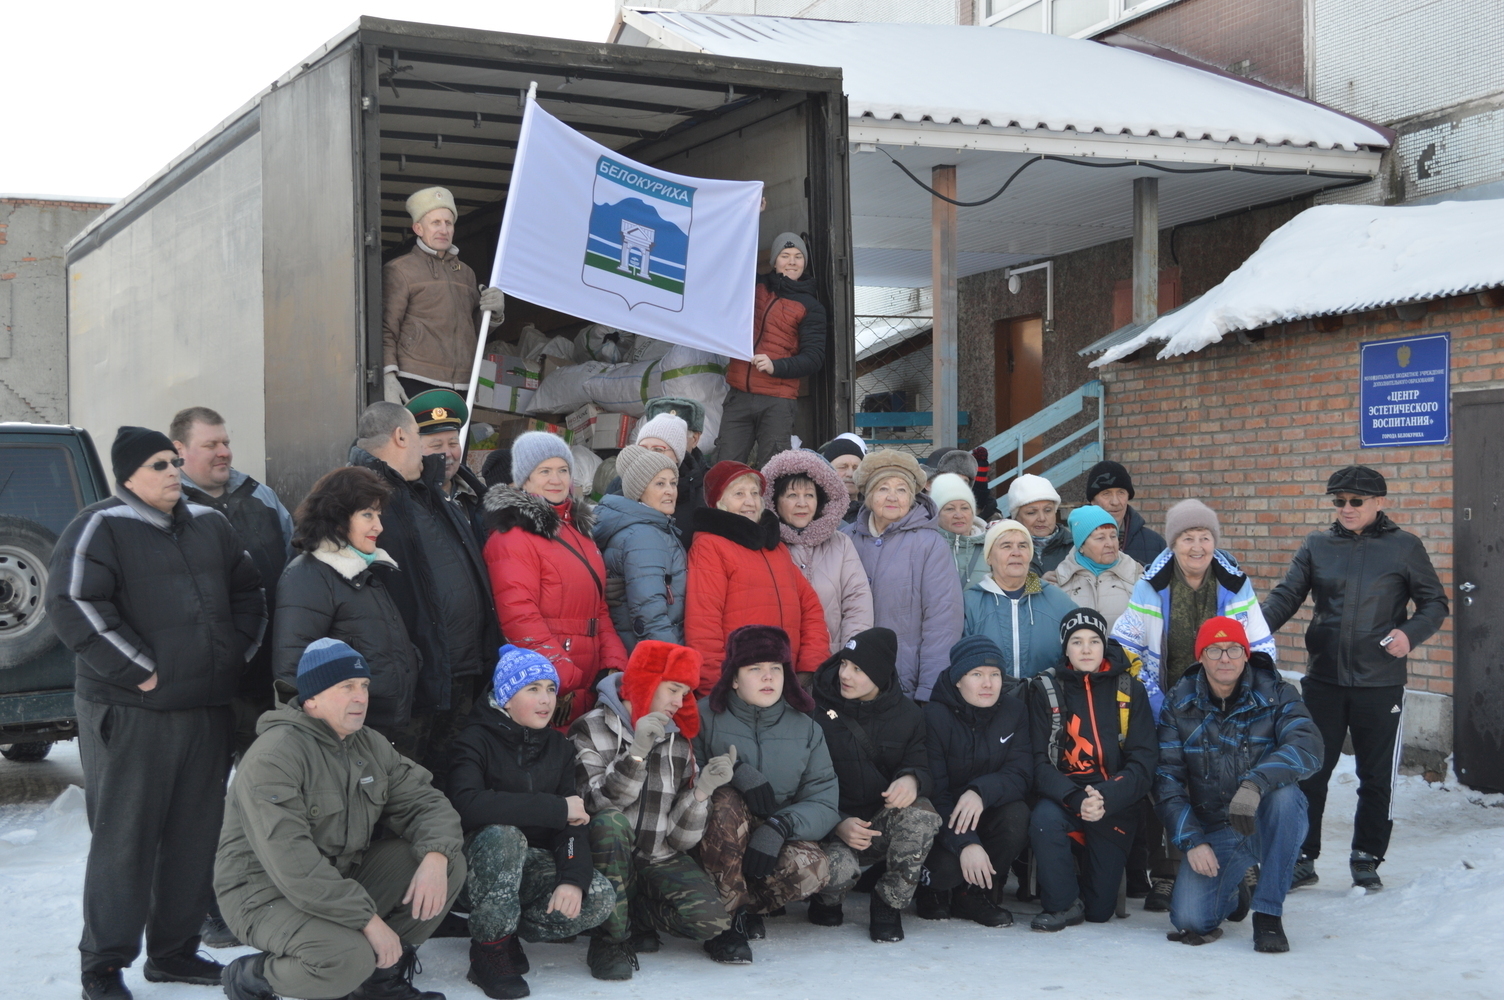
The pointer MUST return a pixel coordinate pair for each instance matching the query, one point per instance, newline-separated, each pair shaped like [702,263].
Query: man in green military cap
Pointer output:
[441,415]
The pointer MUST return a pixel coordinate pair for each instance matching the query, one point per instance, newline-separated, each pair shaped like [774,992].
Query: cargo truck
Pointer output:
[246,275]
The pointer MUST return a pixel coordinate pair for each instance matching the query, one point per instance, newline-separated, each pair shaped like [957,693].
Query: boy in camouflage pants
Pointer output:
[636,772]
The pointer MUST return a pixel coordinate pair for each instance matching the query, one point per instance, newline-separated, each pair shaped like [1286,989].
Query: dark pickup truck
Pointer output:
[47,475]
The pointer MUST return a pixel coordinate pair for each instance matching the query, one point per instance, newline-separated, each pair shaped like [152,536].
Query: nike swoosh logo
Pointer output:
[1005,739]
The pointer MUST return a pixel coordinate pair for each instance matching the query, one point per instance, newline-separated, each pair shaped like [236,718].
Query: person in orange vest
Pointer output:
[788,343]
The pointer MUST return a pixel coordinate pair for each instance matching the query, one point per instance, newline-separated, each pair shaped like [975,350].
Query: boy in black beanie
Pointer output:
[876,740]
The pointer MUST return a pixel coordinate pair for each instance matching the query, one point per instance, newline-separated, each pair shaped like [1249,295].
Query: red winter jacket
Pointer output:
[546,598]
[740,573]
[788,325]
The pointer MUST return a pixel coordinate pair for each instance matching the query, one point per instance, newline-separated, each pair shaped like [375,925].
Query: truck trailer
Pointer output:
[246,275]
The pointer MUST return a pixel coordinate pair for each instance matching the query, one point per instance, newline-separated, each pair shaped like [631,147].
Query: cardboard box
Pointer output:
[599,429]
[510,399]
[552,364]
[543,425]
[513,371]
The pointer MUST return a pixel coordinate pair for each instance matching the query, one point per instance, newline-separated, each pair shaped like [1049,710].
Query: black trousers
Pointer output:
[749,419]
[1372,715]
[154,790]
[1003,830]
[1055,835]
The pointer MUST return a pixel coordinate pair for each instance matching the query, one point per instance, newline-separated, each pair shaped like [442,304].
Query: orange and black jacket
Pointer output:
[1089,750]
[788,325]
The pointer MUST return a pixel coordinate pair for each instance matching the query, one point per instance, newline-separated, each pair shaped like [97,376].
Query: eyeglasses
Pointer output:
[162,463]
[1214,653]
[1346,501]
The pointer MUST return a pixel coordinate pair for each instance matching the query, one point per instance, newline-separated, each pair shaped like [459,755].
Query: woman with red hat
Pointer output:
[647,805]
[740,573]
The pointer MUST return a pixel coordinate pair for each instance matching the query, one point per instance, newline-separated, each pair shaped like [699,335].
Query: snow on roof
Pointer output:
[1007,78]
[1336,259]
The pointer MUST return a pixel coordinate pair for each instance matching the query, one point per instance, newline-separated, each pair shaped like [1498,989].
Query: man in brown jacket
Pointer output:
[431,306]
[299,876]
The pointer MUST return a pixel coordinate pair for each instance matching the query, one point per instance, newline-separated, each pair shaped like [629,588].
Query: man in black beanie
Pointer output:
[163,607]
[876,740]
[1109,486]
[845,456]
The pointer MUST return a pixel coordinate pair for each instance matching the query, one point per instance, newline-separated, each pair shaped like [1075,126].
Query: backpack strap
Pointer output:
[1051,688]
[863,742]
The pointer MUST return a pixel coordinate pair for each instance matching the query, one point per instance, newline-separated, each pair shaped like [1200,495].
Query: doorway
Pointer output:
[1478,547]
[1018,350]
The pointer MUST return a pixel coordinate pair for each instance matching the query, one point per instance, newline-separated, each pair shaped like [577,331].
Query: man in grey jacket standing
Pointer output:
[163,607]
[1362,573]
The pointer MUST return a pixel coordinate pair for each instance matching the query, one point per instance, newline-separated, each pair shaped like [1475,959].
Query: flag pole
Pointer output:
[485,328]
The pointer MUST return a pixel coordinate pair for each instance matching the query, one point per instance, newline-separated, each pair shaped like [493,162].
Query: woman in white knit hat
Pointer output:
[959,525]
[1034,503]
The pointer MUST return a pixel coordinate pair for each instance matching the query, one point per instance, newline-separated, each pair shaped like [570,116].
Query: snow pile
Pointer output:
[1336,259]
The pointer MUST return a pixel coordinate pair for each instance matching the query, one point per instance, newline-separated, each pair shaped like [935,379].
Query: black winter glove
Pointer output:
[755,790]
[1241,814]
[763,847]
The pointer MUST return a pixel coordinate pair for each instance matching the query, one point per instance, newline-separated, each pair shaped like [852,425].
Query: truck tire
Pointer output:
[25,753]
[25,547]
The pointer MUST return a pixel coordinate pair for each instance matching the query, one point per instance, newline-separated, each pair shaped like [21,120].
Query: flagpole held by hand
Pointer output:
[480,355]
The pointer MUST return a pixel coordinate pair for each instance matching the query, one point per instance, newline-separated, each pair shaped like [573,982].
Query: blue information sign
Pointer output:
[1405,395]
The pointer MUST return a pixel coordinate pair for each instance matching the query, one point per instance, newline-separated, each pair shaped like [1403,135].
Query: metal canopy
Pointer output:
[990,100]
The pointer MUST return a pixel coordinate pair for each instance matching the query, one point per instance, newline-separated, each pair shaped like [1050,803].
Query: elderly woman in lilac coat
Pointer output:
[915,589]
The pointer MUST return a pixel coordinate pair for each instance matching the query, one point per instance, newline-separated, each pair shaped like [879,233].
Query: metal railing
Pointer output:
[1062,410]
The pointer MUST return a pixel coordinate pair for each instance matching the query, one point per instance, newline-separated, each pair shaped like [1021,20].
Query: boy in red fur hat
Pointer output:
[636,772]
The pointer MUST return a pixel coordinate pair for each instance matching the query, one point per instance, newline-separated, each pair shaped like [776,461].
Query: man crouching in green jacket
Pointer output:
[298,875]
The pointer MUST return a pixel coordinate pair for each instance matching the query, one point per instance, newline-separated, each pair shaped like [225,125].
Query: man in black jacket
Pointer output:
[442,588]
[441,415]
[876,741]
[1109,486]
[163,608]
[1234,739]
[1362,573]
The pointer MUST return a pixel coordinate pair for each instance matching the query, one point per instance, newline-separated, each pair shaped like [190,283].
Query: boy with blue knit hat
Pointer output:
[512,778]
[299,874]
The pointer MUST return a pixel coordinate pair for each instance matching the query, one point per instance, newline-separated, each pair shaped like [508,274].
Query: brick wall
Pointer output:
[1262,40]
[1255,430]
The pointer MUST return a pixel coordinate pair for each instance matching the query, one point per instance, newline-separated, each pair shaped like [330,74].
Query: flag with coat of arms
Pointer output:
[593,234]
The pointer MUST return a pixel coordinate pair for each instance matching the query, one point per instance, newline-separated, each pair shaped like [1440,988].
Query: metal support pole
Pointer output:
[945,402]
[1145,249]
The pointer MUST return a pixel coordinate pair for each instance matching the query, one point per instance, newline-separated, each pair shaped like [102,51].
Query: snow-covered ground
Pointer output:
[1436,931]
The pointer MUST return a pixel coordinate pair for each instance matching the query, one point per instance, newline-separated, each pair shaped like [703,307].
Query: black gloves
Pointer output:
[755,790]
[763,847]
[1241,813]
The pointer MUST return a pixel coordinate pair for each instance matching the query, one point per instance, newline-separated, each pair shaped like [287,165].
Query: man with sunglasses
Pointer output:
[1234,740]
[164,608]
[1362,573]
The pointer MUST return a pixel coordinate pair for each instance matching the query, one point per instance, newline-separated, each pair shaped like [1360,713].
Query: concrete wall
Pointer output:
[33,305]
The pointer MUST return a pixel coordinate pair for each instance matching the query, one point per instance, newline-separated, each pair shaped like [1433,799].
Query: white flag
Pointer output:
[593,234]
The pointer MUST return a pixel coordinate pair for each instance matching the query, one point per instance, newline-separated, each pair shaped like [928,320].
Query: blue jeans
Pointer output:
[1200,903]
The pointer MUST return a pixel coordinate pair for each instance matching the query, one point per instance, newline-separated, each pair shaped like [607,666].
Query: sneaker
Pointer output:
[1269,934]
[1192,938]
[1069,917]
[970,903]
[214,933]
[1138,883]
[825,914]
[396,983]
[756,929]
[611,960]
[885,924]
[1158,900]
[493,967]
[243,979]
[1245,899]
[107,985]
[932,904]
[730,947]
[1365,869]
[1305,872]
[187,966]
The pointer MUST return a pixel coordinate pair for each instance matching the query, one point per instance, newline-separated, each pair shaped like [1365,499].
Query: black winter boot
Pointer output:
[396,983]
[932,904]
[215,934]
[885,924]
[243,979]
[1269,934]
[756,930]
[494,967]
[107,985]
[970,903]
[611,960]
[1068,917]
[730,947]
[1365,869]
[187,966]
[825,914]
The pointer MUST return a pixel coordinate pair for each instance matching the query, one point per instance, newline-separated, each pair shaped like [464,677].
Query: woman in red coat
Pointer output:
[547,576]
[740,573]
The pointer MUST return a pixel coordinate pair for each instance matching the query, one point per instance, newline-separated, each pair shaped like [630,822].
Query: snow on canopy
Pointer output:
[1024,79]
[1336,259]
